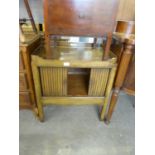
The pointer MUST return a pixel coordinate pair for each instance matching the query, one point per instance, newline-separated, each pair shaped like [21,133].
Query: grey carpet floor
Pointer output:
[76,130]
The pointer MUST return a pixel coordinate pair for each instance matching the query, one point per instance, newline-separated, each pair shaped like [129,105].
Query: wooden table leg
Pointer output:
[120,76]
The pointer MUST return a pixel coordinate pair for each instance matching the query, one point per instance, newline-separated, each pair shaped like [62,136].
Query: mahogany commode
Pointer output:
[68,73]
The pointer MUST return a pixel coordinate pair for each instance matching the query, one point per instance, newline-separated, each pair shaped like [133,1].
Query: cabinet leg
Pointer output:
[112,105]
[103,110]
[107,93]
[41,118]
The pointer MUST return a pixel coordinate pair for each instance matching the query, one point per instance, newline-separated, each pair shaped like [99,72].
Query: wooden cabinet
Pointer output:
[69,74]
[26,86]
[75,76]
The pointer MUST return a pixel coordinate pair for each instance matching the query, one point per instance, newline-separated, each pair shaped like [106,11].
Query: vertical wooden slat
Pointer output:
[49,74]
[64,81]
[53,82]
[99,83]
[61,78]
[107,46]
[91,83]
[104,79]
[42,81]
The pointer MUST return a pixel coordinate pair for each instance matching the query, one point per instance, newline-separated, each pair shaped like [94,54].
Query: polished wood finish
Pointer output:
[107,47]
[129,82]
[125,27]
[79,17]
[120,76]
[128,29]
[58,63]
[26,86]
[89,57]
[125,30]
[80,89]
[50,99]
[123,47]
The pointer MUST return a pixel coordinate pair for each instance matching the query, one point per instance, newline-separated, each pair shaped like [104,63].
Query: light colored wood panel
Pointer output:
[52,81]
[108,90]
[73,63]
[38,93]
[126,10]
[72,100]
[98,81]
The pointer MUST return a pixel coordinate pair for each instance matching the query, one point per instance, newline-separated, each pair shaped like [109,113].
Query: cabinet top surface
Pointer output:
[65,53]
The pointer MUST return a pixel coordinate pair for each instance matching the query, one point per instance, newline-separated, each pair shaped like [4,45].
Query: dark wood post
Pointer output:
[120,77]
[30,15]
[107,46]
[48,46]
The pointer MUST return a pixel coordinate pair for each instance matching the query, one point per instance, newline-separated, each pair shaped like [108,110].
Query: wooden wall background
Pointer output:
[126,10]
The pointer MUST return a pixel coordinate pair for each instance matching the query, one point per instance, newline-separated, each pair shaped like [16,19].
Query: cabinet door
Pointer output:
[53,81]
[98,81]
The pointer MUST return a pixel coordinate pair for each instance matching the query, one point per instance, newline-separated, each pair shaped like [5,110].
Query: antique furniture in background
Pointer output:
[26,86]
[29,42]
[124,30]
[123,47]
[24,20]
[69,73]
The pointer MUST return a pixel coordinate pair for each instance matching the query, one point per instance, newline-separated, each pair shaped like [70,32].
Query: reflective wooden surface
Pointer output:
[81,49]
[80,17]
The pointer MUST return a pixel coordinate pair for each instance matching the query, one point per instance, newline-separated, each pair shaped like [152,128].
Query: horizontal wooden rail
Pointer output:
[72,100]
[40,62]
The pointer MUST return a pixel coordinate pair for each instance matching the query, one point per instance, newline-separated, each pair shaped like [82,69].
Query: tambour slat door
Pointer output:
[53,81]
[98,81]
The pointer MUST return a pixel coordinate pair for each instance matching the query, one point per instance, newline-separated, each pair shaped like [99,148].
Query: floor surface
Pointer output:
[76,130]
